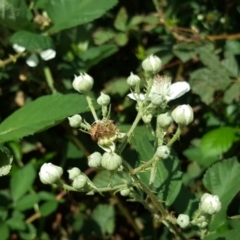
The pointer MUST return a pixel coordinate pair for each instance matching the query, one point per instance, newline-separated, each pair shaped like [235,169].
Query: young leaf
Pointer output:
[217,141]
[22,181]
[40,114]
[70,13]
[221,180]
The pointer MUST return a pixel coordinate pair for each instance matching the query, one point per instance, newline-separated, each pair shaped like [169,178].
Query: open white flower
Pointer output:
[162,87]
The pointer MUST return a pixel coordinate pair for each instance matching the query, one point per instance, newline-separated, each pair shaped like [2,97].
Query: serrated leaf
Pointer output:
[31,41]
[233,46]
[228,235]
[232,93]
[220,180]
[184,51]
[104,214]
[71,13]
[231,64]
[41,114]
[27,202]
[120,22]
[217,141]
[22,181]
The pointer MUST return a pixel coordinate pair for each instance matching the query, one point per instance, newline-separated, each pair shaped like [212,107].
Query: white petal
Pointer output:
[136,96]
[177,90]
[48,54]
[18,48]
[32,61]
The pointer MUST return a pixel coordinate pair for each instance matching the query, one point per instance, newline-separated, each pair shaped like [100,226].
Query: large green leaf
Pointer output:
[221,180]
[40,114]
[31,41]
[22,181]
[27,202]
[70,13]
[217,141]
[103,214]
[228,235]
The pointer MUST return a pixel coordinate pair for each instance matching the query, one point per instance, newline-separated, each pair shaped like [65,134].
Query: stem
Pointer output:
[175,137]
[143,166]
[92,109]
[12,58]
[49,79]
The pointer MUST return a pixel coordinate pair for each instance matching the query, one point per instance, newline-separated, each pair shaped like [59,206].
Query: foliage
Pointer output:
[197,41]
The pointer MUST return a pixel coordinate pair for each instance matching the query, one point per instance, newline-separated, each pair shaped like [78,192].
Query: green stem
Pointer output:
[143,166]
[49,79]
[92,109]
[175,137]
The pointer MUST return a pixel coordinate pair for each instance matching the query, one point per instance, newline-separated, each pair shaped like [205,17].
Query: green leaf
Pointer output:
[228,235]
[232,93]
[103,214]
[233,46]
[27,202]
[71,13]
[47,196]
[48,207]
[16,224]
[231,64]
[217,141]
[101,36]
[120,22]
[31,41]
[4,230]
[41,114]
[221,180]
[185,51]
[121,39]
[22,181]
[15,14]
[118,86]
[6,161]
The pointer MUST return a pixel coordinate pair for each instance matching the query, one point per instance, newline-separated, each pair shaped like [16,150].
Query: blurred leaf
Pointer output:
[15,14]
[101,36]
[16,222]
[232,93]
[30,118]
[120,22]
[48,207]
[229,235]
[205,82]
[6,161]
[73,151]
[118,86]
[78,222]
[233,46]
[184,51]
[22,181]
[47,196]
[135,21]
[121,39]
[220,180]
[231,64]
[4,230]
[217,141]
[27,202]
[71,13]
[30,233]
[104,214]
[31,41]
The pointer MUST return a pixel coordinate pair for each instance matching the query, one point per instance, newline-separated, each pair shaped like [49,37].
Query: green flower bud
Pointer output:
[111,161]
[125,192]
[183,220]
[80,181]
[83,83]
[163,152]
[73,173]
[75,121]
[50,173]
[103,100]
[182,115]
[94,160]
[152,64]
[147,118]
[164,120]
[133,80]
[157,99]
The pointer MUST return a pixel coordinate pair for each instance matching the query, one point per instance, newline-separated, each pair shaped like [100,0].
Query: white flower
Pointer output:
[32,60]
[18,48]
[162,86]
[210,204]
[183,220]
[50,173]
[48,54]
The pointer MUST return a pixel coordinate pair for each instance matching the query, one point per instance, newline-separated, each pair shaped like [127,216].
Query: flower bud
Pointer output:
[18,48]
[48,54]
[210,204]
[125,192]
[147,118]
[73,173]
[183,220]
[79,182]
[94,160]
[32,60]
[164,120]
[182,115]
[75,121]
[83,83]
[103,100]
[152,64]
[50,173]
[111,161]
[157,99]
[163,152]
[133,80]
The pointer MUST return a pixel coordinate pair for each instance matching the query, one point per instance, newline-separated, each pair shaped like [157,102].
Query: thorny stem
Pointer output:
[92,109]
[175,137]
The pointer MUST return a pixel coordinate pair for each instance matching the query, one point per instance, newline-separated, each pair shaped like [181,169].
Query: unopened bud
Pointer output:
[163,152]
[103,100]
[133,80]
[94,160]
[183,220]
[125,192]
[164,120]
[80,181]
[182,115]
[50,173]
[111,161]
[83,83]
[210,204]
[152,64]
[73,173]
[75,121]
